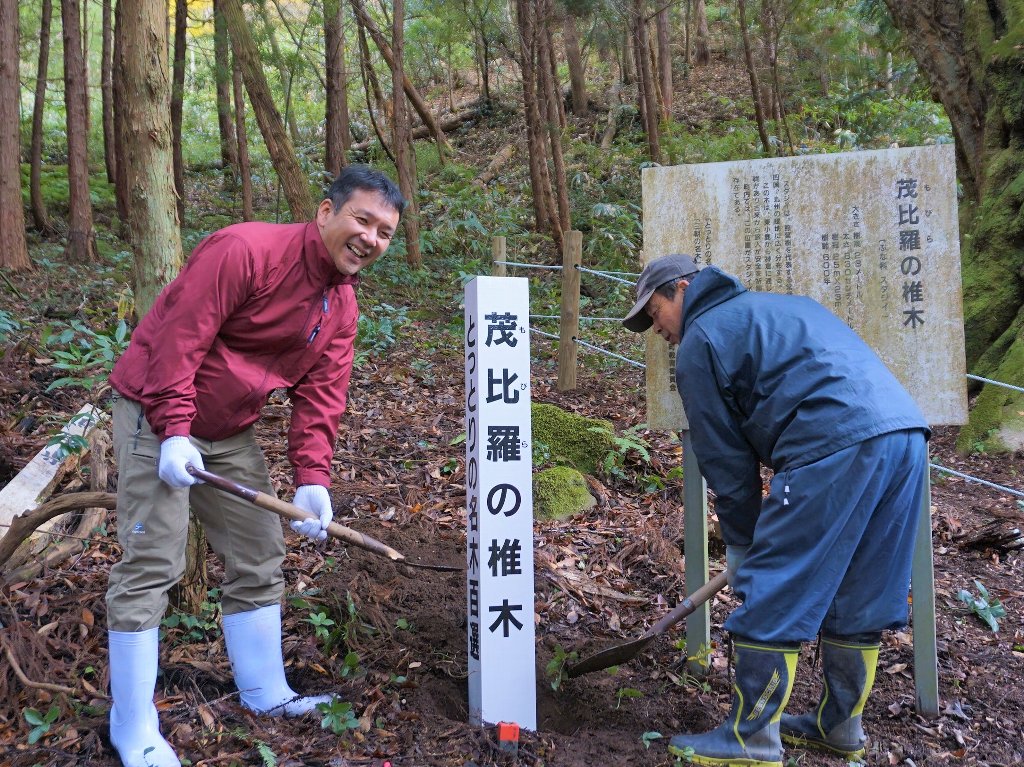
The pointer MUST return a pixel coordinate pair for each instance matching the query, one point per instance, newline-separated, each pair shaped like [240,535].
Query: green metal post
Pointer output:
[922,587]
[695,552]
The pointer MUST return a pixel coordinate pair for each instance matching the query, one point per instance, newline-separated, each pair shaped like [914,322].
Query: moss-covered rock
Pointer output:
[997,417]
[560,492]
[570,439]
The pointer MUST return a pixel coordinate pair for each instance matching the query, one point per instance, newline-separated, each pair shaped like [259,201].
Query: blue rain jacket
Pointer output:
[778,380]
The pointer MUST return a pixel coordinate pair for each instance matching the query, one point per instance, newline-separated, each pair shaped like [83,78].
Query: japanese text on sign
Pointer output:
[499,503]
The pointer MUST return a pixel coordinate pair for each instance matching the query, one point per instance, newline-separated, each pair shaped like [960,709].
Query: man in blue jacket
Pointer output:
[779,380]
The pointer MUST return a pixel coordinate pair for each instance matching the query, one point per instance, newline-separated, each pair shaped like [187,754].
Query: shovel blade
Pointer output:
[613,656]
[620,653]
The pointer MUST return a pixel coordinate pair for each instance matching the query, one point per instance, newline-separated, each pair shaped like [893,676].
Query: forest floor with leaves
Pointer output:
[397,650]
[397,647]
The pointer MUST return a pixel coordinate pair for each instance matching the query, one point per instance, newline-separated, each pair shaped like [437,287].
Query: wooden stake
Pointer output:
[498,268]
[569,324]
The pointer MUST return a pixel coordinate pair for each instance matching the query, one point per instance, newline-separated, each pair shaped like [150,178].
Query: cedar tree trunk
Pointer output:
[107,91]
[39,217]
[403,138]
[13,251]
[282,154]
[338,137]
[577,78]
[81,246]
[755,86]
[146,156]
[223,77]
[242,148]
[177,98]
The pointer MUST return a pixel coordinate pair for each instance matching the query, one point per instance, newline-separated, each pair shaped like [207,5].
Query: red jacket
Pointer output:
[257,307]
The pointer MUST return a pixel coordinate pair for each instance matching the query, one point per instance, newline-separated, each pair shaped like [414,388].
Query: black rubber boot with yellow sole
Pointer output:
[750,736]
[848,666]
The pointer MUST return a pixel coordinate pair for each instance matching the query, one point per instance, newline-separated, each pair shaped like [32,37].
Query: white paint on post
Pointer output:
[499,503]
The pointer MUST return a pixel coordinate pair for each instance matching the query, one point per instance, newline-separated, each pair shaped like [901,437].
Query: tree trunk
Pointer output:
[223,77]
[414,97]
[152,211]
[13,251]
[543,209]
[338,137]
[485,67]
[973,55]
[39,216]
[577,78]
[702,40]
[551,95]
[107,90]
[282,70]
[547,40]
[242,148]
[645,77]
[403,138]
[120,129]
[687,54]
[773,18]
[177,98]
[81,246]
[664,63]
[755,86]
[627,62]
[371,90]
[282,154]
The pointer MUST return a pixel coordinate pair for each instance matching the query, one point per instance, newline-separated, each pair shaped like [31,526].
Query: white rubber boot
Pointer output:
[253,640]
[134,727]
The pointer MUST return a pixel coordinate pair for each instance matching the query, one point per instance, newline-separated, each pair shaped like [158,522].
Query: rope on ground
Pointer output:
[997,383]
[969,478]
[606,275]
[610,354]
[527,266]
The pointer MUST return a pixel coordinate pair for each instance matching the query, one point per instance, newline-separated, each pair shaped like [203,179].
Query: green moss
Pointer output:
[569,438]
[996,422]
[560,492]
[993,285]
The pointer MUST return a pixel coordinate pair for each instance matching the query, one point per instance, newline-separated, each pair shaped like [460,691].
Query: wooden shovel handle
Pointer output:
[293,512]
[688,605]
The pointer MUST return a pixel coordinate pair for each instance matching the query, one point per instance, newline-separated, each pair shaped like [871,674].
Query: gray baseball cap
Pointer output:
[657,272]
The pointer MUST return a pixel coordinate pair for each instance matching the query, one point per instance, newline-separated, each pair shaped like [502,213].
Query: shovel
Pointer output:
[618,654]
[293,512]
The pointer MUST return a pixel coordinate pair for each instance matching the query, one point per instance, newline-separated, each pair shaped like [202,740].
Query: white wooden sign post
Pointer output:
[499,504]
[871,235]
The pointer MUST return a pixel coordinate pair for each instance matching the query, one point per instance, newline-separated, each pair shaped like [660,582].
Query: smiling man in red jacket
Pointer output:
[257,307]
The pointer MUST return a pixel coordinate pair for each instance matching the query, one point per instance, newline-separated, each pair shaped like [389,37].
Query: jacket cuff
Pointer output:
[305,476]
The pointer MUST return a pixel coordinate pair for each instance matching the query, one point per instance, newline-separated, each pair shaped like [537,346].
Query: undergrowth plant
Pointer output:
[87,356]
[625,446]
[988,609]
[338,716]
[183,628]
[41,723]
[556,668]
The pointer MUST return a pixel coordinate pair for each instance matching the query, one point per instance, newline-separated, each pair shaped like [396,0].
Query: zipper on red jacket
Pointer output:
[316,330]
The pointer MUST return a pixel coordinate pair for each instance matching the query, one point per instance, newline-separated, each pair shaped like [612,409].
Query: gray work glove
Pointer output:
[175,454]
[316,500]
[734,556]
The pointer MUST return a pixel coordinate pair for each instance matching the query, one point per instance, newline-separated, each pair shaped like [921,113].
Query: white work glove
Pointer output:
[734,556]
[175,453]
[316,500]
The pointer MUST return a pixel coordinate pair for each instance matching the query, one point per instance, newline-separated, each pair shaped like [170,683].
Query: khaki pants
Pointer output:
[152,525]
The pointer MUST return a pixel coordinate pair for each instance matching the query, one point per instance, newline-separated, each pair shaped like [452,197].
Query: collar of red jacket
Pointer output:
[319,261]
